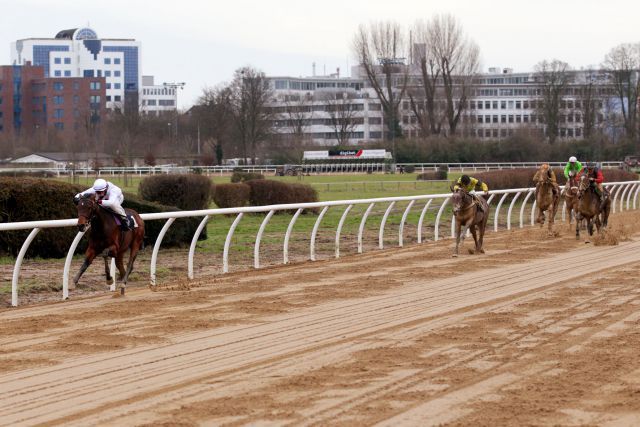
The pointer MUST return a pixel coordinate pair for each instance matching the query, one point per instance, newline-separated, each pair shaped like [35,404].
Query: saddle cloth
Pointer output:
[130,220]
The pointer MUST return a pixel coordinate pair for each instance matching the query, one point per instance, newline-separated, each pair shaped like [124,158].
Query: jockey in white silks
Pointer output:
[109,196]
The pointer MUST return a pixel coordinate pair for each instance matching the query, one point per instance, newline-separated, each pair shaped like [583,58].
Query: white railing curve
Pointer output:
[619,190]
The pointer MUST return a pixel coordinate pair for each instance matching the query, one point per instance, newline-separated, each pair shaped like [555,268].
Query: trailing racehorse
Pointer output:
[469,216]
[589,207]
[106,238]
[571,197]
[546,201]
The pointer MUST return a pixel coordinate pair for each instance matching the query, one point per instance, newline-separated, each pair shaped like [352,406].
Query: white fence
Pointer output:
[622,194]
[331,168]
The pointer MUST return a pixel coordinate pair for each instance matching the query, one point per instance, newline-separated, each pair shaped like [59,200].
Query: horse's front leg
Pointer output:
[475,239]
[540,219]
[107,269]
[88,259]
[458,235]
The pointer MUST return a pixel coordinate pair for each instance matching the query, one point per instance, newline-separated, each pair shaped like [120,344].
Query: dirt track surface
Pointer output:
[539,330]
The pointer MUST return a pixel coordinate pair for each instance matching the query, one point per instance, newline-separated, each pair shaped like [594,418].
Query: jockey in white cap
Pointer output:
[108,195]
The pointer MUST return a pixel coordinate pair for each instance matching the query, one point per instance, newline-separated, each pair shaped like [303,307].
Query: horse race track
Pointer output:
[540,330]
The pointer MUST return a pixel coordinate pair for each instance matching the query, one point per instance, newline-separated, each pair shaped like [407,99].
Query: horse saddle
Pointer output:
[130,223]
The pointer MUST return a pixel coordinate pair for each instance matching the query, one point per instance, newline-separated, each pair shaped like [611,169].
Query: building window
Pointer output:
[107,73]
[117,85]
[108,86]
[67,61]
[108,97]
[58,86]
[518,118]
[525,105]
[503,119]
[472,105]
[57,61]
[57,100]
[58,113]
[67,73]
[94,99]
[495,105]
[59,126]
[107,61]
[76,85]
[88,73]
[94,85]
[76,99]
[480,103]
[518,105]
[495,119]
[487,105]
[76,113]
[116,60]
[57,73]
[116,73]
[151,102]
[503,105]
[99,73]
[480,119]
[510,118]
[117,98]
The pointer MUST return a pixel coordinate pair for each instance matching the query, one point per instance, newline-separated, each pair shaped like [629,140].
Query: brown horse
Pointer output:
[469,217]
[571,197]
[546,201]
[589,208]
[107,239]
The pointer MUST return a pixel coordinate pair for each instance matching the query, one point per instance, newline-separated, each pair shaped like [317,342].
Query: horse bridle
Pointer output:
[464,194]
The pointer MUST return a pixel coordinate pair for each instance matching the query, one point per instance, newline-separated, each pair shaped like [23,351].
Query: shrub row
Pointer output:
[519,178]
[432,175]
[187,192]
[263,192]
[30,199]
[239,176]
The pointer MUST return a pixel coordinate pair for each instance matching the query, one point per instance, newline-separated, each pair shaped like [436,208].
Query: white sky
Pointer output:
[201,42]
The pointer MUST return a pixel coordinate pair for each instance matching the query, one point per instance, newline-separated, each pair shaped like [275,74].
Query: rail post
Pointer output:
[402,221]
[192,247]
[67,263]
[363,221]
[256,247]
[513,202]
[314,233]
[285,250]
[524,203]
[227,243]
[420,221]
[496,216]
[18,264]
[156,248]
[436,231]
[339,229]
[382,223]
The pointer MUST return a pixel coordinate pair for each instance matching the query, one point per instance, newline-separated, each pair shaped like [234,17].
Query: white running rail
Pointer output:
[621,195]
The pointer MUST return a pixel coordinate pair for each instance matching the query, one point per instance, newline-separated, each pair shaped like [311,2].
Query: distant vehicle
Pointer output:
[631,162]
[288,170]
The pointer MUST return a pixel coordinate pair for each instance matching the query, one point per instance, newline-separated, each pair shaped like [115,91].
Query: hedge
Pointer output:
[520,178]
[432,175]
[31,199]
[187,192]
[239,176]
[267,192]
[232,195]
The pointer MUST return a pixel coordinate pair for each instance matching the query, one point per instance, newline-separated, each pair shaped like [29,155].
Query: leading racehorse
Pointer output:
[589,207]
[107,239]
[469,217]
[571,197]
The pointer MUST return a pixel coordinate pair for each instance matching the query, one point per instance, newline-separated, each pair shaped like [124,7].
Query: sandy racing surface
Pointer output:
[540,330]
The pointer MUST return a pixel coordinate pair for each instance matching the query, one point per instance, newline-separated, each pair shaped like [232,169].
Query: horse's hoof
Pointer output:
[122,291]
[454,256]
[586,242]
[471,251]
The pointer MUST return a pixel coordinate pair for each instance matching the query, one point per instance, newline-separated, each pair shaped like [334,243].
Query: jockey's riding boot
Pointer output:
[124,224]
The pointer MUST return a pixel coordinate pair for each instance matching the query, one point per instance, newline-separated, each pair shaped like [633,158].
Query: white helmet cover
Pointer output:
[100,185]
[572,159]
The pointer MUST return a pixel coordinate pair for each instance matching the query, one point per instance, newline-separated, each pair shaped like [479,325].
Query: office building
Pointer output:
[157,99]
[78,53]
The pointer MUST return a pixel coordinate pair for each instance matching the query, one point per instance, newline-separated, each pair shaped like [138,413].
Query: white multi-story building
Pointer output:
[500,103]
[157,99]
[80,53]
[325,110]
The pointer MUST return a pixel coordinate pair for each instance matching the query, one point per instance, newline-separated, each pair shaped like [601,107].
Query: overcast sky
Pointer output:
[201,42]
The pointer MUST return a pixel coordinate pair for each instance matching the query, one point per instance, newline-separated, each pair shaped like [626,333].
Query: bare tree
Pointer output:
[588,103]
[448,61]
[381,51]
[623,62]
[298,114]
[344,115]
[552,78]
[214,116]
[249,97]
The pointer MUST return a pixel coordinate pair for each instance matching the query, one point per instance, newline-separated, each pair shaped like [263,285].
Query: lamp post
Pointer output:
[174,86]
